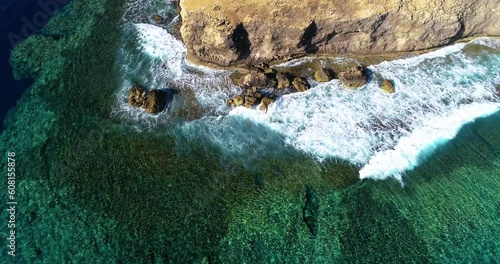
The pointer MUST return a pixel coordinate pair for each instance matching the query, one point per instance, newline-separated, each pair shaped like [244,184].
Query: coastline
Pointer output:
[96,189]
[363,59]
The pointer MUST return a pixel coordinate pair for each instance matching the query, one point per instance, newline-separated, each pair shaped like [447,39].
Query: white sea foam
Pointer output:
[410,151]
[159,44]
[155,59]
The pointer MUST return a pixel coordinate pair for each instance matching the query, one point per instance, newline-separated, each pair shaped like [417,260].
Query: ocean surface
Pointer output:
[326,176]
[13,15]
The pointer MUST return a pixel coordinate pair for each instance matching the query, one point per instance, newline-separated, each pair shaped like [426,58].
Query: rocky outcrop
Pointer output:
[323,75]
[353,78]
[311,211]
[253,79]
[254,31]
[137,96]
[387,87]
[300,84]
[157,100]
[153,102]
[265,102]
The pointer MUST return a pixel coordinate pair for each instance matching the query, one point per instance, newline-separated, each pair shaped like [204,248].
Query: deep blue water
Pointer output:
[13,17]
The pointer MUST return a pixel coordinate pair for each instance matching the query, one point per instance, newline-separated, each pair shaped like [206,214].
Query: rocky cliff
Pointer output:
[253,31]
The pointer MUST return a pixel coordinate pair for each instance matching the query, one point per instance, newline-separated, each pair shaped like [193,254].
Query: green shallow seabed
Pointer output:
[91,190]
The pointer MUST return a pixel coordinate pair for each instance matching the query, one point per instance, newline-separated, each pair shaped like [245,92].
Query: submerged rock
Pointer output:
[156,102]
[353,78]
[300,84]
[137,96]
[311,211]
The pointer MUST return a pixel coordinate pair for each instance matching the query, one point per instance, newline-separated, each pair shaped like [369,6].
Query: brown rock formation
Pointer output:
[252,79]
[153,102]
[137,96]
[300,84]
[254,31]
[353,78]
[265,102]
[322,75]
[157,100]
[282,81]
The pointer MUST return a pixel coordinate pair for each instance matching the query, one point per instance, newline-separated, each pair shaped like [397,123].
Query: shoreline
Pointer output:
[364,59]
[106,192]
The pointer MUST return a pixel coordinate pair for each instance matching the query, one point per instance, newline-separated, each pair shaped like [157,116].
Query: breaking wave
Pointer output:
[386,135]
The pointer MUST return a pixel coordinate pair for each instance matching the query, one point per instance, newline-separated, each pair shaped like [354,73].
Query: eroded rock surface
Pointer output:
[353,78]
[255,31]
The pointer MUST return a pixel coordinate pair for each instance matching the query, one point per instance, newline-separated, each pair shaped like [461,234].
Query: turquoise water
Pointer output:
[102,183]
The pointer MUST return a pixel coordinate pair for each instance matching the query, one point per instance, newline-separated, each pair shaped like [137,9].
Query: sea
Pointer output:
[329,175]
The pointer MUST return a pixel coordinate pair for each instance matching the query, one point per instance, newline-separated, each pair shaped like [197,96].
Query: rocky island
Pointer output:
[228,33]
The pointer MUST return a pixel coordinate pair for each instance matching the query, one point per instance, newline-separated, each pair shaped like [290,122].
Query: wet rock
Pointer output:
[257,34]
[282,81]
[353,78]
[158,19]
[250,100]
[265,102]
[156,102]
[137,96]
[300,84]
[252,79]
[322,75]
[266,68]
[387,87]
[311,211]
[238,100]
[497,88]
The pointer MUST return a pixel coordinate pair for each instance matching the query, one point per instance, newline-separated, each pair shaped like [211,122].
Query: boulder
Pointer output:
[300,84]
[322,75]
[156,102]
[137,96]
[238,100]
[311,211]
[158,19]
[265,102]
[387,87]
[266,68]
[282,81]
[250,100]
[252,79]
[353,78]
